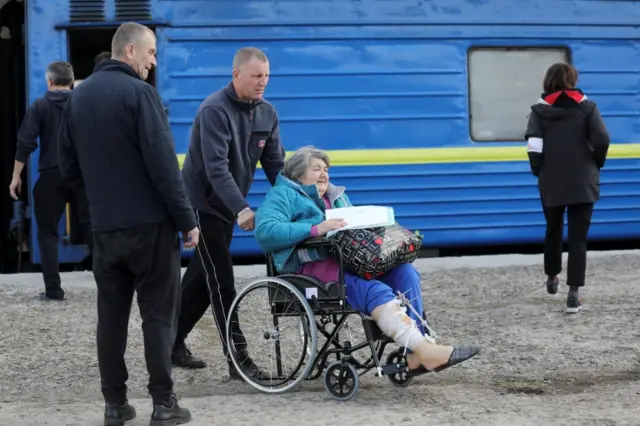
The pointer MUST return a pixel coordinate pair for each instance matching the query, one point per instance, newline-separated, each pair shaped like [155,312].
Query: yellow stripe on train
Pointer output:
[388,157]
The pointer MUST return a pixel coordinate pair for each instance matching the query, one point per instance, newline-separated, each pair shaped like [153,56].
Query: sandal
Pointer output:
[415,372]
[459,354]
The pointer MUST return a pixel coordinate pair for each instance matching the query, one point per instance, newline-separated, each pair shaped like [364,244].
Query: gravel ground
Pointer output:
[539,366]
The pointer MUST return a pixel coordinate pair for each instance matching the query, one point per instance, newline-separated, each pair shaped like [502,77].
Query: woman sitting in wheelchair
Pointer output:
[293,211]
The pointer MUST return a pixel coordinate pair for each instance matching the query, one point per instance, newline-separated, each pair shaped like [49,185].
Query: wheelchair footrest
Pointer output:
[393,368]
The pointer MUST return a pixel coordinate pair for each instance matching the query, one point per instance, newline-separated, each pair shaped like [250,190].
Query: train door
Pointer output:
[12,106]
[86,46]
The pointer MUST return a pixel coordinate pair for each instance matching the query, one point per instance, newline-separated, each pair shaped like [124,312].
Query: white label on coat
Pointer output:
[535,145]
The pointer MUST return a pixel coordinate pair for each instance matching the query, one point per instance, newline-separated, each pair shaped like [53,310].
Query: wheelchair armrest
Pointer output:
[315,242]
[318,242]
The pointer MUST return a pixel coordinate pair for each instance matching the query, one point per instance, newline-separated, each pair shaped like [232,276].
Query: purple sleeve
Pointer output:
[314,231]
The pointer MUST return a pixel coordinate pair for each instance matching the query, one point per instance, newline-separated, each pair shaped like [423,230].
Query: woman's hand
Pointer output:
[330,225]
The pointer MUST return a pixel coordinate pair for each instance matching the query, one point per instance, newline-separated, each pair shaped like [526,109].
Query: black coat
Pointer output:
[115,136]
[567,146]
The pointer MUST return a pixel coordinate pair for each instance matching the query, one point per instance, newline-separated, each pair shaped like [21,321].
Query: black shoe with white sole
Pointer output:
[574,304]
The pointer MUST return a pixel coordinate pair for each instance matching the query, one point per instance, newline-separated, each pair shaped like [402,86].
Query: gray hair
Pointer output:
[296,166]
[60,73]
[127,33]
[245,54]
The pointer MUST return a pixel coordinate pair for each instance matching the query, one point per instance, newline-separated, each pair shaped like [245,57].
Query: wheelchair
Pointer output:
[314,308]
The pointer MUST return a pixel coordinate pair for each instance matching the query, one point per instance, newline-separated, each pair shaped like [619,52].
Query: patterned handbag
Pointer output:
[372,252]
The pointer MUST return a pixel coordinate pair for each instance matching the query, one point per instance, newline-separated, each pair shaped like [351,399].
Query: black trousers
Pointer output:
[579,221]
[50,195]
[209,279]
[144,260]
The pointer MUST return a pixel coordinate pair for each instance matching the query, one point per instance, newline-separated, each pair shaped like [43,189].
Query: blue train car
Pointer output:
[422,105]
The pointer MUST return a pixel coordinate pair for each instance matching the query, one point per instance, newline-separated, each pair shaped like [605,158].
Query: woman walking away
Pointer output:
[567,144]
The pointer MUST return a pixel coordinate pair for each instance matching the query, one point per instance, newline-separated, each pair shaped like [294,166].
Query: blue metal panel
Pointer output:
[109,10]
[45,45]
[355,80]
[199,13]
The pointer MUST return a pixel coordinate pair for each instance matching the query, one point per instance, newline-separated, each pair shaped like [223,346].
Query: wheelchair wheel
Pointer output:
[275,350]
[399,379]
[341,381]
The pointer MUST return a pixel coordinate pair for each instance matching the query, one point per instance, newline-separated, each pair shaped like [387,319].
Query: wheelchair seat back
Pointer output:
[318,294]
[321,296]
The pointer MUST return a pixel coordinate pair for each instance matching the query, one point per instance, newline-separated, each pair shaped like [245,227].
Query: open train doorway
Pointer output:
[13,235]
[86,45]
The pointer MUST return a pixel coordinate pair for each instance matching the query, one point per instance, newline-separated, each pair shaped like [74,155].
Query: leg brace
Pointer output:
[395,323]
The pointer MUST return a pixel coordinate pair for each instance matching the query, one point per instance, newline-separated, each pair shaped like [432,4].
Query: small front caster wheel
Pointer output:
[341,381]
[400,379]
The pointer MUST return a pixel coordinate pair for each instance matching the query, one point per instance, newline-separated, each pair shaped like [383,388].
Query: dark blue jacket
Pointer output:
[228,138]
[115,136]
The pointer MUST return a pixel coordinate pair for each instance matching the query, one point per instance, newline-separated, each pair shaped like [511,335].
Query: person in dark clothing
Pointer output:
[50,193]
[102,56]
[234,128]
[567,146]
[116,137]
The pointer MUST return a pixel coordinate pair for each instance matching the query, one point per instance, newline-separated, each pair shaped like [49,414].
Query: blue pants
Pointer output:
[364,296]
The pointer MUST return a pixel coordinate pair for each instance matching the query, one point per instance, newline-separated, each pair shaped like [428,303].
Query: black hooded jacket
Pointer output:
[42,119]
[567,145]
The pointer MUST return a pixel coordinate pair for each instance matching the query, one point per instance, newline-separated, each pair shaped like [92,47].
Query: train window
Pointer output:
[503,83]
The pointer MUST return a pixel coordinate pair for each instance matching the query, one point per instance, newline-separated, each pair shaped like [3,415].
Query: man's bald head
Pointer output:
[128,33]
[135,44]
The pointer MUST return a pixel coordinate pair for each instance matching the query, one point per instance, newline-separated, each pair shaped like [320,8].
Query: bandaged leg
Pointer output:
[378,300]
[392,319]
[404,281]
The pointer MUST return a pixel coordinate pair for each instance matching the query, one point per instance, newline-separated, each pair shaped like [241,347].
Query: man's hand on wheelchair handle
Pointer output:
[246,219]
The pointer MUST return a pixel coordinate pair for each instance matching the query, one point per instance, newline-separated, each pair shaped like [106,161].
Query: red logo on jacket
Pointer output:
[261,144]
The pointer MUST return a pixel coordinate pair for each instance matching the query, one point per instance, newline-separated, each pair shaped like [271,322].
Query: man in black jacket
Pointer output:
[567,146]
[50,193]
[115,136]
[234,128]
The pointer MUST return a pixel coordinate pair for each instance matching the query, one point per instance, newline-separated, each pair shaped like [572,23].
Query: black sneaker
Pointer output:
[574,304]
[249,368]
[118,414]
[171,415]
[552,285]
[182,357]
[58,297]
